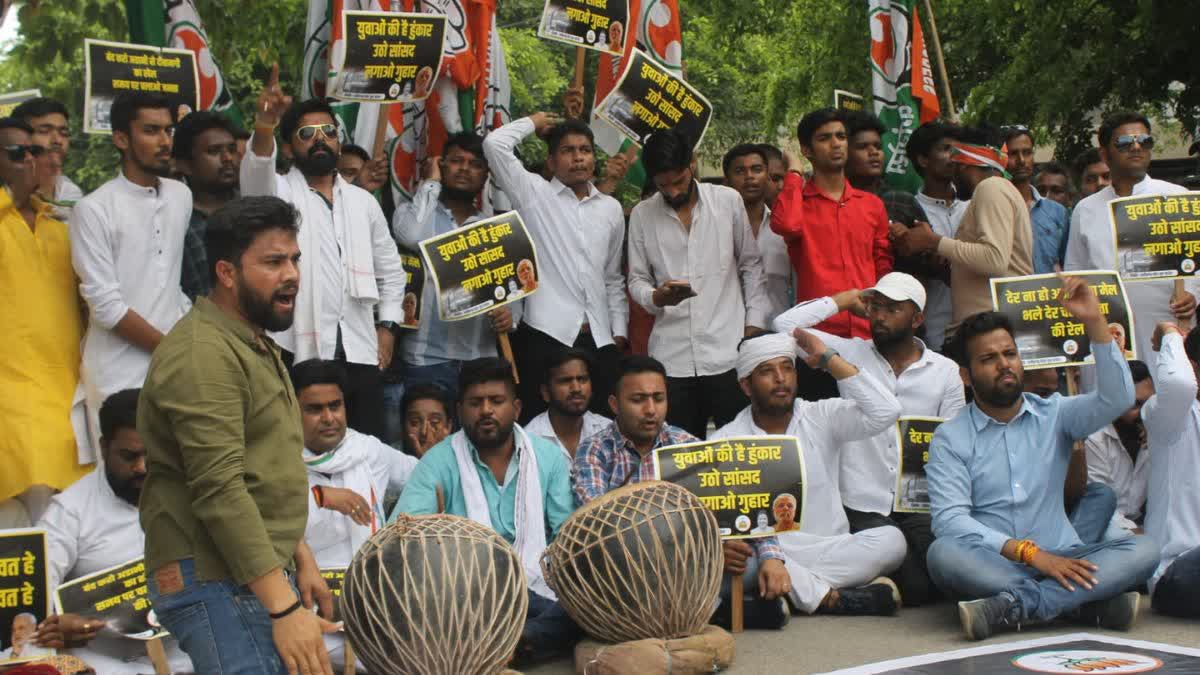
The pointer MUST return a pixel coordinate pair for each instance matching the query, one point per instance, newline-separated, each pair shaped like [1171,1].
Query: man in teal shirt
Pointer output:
[485,472]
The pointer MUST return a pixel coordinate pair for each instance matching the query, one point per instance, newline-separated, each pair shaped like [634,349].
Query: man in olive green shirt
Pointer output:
[224,504]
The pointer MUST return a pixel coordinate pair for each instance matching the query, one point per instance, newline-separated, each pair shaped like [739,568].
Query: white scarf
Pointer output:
[527,512]
[359,254]
[348,466]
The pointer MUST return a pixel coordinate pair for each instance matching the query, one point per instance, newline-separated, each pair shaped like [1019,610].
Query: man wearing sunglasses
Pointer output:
[1126,146]
[41,317]
[349,267]
[49,118]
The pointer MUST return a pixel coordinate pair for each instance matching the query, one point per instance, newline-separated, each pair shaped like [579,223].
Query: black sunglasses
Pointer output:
[1125,142]
[307,133]
[16,152]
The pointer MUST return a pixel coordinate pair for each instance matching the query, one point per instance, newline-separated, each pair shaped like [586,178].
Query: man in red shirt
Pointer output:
[837,235]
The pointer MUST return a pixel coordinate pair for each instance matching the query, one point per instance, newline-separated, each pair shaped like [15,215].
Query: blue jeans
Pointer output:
[444,375]
[549,630]
[1178,591]
[968,570]
[222,626]
[1093,511]
[393,416]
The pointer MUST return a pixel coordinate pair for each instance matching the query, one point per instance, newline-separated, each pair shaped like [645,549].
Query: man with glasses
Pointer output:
[41,317]
[127,242]
[1049,219]
[350,266]
[1126,146]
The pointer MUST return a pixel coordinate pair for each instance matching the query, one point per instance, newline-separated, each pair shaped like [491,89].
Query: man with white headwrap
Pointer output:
[831,570]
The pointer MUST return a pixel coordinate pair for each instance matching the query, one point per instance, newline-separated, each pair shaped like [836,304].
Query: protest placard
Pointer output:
[649,97]
[845,100]
[11,100]
[117,596]
[1047,335]
[481,266]
[24,598]
[414,286]
[913,436]
[1157,236]
[389,56]
[334,577]
[114,67]
[595,24]
[754,485]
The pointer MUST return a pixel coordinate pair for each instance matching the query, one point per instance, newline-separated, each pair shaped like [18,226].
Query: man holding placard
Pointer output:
[830,570]
[927,385]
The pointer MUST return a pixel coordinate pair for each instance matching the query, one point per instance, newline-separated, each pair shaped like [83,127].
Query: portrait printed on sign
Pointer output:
[481,266]
[414,287]
[113,67]
[24,599]
[1156,236]
[649,98]
[594,24]
[118,596]
[913,436]
[1047,335]
[388,57]
[754,485]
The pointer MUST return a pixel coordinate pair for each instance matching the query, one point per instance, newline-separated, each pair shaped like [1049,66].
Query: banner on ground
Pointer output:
[754,485]
[650,97]
[1047,335]
[1157,236]
[10,101]
[845,100]
[389,57]
[481,266]
[114,67]
[913,436]
[594,24]
[117,596]
[24,598]
[414,274]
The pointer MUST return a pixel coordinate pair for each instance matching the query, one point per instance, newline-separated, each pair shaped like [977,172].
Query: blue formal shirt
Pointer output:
[990,482]
[439,467]
[1051,223]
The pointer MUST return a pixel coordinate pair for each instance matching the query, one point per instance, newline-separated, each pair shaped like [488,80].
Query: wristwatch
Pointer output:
[826,357]
[389,325]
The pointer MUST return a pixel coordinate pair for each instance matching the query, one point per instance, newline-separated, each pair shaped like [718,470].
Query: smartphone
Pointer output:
[683,288]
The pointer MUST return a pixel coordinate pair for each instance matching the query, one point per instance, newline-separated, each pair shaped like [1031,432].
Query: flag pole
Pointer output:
[381,122]
[941,62]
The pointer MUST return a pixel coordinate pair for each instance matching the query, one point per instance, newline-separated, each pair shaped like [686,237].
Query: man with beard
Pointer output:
[496,474]
[580,234]
[994,238]
[446,200]
[746,170]
[567,392]
[49,119]
[927,385]
[127,242]
[226,492]
[351,268]
[829,570]
[1048,218]
[93,525]
[837,235]
[1117,455]
[996,474]
[205,152]
[694,264]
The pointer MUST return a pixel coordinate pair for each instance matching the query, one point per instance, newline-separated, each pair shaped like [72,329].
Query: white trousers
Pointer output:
[818,565]
[335,643]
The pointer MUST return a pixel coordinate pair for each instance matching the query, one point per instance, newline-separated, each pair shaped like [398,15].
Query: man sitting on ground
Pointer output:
[996,475]
[567,392]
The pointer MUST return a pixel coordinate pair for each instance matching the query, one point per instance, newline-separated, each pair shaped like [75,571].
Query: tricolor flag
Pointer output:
[901,82]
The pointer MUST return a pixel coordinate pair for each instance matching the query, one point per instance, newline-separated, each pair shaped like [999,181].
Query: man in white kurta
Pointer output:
[831,569]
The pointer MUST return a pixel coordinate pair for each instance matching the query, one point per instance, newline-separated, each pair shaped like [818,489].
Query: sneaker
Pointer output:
[1116,613]
[887,581]
[876,599]
[980,617]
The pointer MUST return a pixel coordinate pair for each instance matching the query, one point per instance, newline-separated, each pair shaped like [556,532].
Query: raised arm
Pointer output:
[412,223]
[1083,415]
[1165,414]
[257,172]
[499,147]
[866,408]
[787,215]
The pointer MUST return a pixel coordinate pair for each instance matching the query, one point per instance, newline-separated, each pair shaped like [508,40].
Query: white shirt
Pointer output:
[578,245]
[930,387]
[1172,419]
[333,262]
[88,529]
[779,277]
[328,532]
[592,424]
[944,217]
[719,256]
[823,428]
[1108,462]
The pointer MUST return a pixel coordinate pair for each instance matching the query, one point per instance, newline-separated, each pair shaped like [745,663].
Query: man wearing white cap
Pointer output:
[826,564]
[927,385]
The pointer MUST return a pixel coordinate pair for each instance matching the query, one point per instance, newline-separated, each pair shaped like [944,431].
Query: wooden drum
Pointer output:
[643,561]
[436,594]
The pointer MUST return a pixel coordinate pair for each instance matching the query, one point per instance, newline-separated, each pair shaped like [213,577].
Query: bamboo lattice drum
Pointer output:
[436,594]
[643,561]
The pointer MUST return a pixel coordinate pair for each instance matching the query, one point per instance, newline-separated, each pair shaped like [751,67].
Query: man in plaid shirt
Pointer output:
[624,453]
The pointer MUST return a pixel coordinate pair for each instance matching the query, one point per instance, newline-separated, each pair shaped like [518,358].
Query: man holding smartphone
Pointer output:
[694,264]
